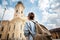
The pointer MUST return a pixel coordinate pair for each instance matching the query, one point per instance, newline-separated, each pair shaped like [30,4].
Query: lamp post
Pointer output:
[4,6]
[2,17]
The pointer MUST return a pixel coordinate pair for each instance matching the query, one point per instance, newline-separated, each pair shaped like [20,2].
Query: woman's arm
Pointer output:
[26,30]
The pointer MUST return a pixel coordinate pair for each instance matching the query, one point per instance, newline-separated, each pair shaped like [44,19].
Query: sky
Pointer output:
[47,12]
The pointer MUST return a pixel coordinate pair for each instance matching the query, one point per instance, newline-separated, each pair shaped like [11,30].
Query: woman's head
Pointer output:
[31,16]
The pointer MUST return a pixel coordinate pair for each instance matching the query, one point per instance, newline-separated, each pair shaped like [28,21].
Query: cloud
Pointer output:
[15,0]
[4,2]
[47,16]
[1,11]
[9,13]
[51,26]
[43,4]
[51,20]
[32,1]
[57,10]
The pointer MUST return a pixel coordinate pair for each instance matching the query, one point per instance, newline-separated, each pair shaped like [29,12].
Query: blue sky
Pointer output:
[47,12]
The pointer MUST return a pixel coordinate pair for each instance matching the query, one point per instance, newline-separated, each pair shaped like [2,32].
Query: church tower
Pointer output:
[16,26]
[19,8]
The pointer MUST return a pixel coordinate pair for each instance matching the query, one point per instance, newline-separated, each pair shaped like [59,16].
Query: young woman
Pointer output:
[29,30]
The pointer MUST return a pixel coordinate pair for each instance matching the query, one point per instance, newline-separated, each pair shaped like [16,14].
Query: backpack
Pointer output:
[42,33]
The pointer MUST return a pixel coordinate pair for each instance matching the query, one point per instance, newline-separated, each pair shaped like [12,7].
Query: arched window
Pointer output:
[0,35]
[16,11]
[8,37]
[21,12]
[13,35]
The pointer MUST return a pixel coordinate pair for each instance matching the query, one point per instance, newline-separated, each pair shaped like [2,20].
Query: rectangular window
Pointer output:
[9,28]
[59,35]
[8,37]
[20,35]
[2,28]
[0,35]
[13,35]
[21,27]
[14,26]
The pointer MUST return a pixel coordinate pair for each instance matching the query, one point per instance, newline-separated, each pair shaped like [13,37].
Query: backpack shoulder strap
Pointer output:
[29,29]
[35,22]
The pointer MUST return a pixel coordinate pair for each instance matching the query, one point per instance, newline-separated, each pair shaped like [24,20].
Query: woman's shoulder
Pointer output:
[30,21]
[27,22]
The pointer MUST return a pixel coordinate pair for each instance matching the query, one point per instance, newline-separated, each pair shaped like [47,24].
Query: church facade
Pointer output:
[14,29]
[4,29]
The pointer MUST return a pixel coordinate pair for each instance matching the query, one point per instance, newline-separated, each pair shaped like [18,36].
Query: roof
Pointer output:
[55,30]
[4,20]
[19,2]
